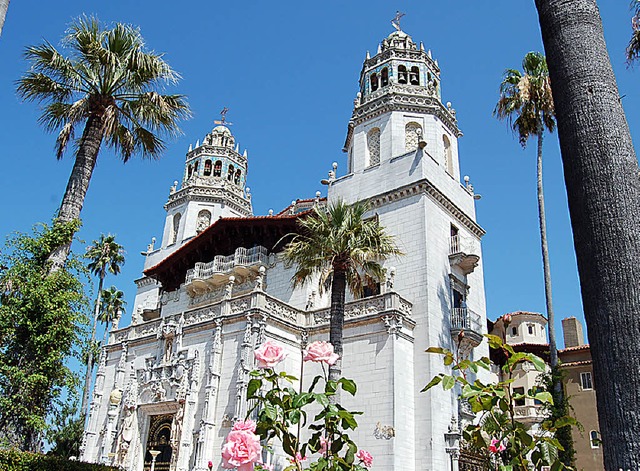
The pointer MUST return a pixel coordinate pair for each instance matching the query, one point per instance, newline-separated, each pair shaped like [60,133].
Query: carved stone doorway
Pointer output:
[159,439]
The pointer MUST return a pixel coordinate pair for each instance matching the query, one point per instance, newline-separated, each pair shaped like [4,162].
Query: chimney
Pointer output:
[572,329]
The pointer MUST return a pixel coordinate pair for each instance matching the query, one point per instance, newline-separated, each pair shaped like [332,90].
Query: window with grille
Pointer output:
[586,381]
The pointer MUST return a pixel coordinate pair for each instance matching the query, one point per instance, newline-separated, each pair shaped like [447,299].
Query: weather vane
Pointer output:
[223,117]
[396,20]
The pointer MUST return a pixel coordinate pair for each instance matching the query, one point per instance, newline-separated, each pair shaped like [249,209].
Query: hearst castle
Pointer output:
[174,381]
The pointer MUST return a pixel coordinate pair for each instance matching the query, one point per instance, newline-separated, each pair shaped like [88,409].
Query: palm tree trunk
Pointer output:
[89,373]
[336,325]
[603,188]
[553,350]
[4,6]
[78,184]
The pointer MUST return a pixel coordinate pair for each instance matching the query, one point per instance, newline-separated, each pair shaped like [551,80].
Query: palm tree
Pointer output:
[111,307]
[603,189]
[4,6]
[106,83]
[344,250]
[105,255]
[526,103]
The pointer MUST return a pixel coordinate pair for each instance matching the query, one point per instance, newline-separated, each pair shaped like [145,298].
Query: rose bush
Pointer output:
[282,411]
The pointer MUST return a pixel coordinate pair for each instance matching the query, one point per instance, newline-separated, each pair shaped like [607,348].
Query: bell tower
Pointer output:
[212,186]
[399,109]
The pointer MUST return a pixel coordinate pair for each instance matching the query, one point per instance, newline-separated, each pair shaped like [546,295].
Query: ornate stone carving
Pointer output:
[393,324]
[282,310]
[384,432]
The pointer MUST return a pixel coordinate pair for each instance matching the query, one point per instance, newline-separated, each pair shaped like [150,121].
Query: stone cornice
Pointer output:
[146,281]
[209,195]
[426,187]
[403,101]
[215,151]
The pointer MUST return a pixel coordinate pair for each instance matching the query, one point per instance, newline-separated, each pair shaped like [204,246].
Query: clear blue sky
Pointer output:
[288,72]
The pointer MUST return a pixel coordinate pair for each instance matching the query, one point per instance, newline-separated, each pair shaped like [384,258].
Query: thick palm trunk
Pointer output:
[553,350]
[336,326]
[4,6]
[78,184]
[89,373]
[603,187]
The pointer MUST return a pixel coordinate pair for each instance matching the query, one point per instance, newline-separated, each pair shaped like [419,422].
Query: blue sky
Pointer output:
[288,72]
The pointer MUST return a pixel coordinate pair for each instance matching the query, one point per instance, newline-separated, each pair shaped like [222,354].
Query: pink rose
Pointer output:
[321,352]
[496,449]
[299,458]
[324,446]
[269,354]
[365,457]
[241,450]
[507,319]
[248,425]
[210,465]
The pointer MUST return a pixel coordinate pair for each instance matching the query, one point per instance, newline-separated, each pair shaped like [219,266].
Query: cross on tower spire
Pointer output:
[223,117]
[396,20]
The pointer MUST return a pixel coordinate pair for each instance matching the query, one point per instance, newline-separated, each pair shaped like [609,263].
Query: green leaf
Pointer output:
[438,350]
[348,385]
[448,359]
[538,363]
[544,397]
[253,387]
[448,382]
[434,381]
[494,341]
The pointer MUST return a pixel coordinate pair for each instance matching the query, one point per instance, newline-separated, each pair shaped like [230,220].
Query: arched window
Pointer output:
[448,156]
[195,167]
[374,82]
[207,168]
[189,171]
[402,74]
[373,145]
[175,228]
[230,173]
[236,179]
[384,77]
[412,134]
[203,221]
[414,75]
[217,168]
[593,438]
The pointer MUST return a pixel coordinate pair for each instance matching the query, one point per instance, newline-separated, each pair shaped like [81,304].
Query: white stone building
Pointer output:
[216,287]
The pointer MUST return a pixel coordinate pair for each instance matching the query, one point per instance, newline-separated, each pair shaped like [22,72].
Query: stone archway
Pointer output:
[159,438]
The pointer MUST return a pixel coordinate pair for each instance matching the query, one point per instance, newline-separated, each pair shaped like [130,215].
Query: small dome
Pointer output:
[221,130]
[398,40]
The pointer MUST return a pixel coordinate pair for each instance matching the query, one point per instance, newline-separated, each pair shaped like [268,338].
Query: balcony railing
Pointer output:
[463,253]
[465,320]
[224,264]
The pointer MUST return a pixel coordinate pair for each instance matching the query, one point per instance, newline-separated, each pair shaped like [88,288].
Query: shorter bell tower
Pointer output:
[213,186]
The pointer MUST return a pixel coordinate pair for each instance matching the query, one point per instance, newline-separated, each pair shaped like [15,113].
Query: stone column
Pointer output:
[207,437]
[90,437]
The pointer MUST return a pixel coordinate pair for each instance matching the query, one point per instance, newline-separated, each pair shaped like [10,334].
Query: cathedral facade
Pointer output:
[174,381]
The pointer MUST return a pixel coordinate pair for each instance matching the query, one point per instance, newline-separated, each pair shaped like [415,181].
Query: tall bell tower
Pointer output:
[402,147]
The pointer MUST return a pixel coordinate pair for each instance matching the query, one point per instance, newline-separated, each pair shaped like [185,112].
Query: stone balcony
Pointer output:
[242,264]
[389,309]
[463,253]
[466,327]
[529,414]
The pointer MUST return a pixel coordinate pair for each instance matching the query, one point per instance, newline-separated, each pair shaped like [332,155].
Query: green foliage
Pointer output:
[514,447]
[525,100]
[41,321]
[556,411]
[14,460]
[66,432]
[633,48]
[340,239]
[282,411]
[105,74]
